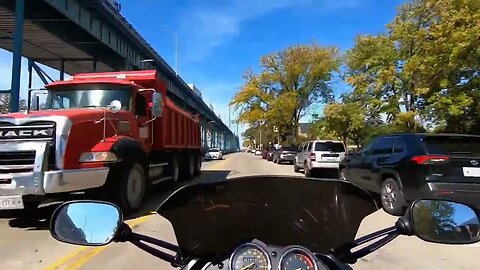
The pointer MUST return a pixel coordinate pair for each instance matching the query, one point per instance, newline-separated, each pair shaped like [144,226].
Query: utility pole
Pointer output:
[260,137]
[176,46]
[228,117]
[275,129]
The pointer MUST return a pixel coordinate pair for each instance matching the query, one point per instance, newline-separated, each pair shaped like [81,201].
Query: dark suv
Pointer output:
[405,167]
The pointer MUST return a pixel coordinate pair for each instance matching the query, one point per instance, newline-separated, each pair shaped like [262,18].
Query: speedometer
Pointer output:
[250,257]
[297,259]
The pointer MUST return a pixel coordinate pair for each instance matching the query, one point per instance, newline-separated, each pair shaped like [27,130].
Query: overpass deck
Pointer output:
[76,36]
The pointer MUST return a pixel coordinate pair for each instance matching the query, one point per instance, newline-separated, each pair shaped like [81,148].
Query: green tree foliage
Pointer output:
[434,220]
[5,103]
[320,130]
[288,84]
[346,120]
[429,60]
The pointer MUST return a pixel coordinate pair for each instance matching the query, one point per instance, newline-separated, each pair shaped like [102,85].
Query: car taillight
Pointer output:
[429,159]
[313,157]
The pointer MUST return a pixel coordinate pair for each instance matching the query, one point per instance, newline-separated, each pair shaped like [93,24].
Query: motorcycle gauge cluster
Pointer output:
[250,257]
[258,256]
[296,259]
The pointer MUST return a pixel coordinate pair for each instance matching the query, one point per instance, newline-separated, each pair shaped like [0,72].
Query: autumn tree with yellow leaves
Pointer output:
[289,83]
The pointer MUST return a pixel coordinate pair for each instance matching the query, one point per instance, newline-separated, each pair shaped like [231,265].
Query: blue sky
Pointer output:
[219,39]
[98,221]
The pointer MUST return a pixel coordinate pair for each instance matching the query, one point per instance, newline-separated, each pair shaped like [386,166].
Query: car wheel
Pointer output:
[342,174]
[174,169]
[392,198]
[198,165]
[307,171]
[189,168]
[295,167]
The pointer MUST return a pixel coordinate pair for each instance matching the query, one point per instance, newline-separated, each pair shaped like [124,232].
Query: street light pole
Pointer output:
[175,35]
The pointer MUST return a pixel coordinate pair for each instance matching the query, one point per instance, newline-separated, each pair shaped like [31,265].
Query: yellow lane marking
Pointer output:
[82,255]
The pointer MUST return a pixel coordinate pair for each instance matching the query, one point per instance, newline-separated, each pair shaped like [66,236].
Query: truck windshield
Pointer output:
[87,96]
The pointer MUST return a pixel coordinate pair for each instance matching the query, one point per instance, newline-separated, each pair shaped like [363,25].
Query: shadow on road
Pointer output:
[39,219]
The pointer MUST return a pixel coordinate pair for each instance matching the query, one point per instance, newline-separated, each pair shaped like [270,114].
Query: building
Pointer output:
[67,229]
[195,90]
[303,129]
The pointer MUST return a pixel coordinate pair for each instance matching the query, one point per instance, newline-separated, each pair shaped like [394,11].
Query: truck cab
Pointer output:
[99,133]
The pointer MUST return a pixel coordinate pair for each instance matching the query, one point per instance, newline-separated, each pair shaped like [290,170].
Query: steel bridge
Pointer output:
[75,36]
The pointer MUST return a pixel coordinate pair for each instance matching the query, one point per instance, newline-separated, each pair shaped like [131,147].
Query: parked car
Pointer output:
[285,154]
[404,167]
[214,153]
[265,153]
[319,154]
[270,154]
[258,152]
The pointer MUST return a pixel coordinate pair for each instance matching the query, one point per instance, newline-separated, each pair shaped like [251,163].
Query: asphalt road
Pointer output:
[26,243]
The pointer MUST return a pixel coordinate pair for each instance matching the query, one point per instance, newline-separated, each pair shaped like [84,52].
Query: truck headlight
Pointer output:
[97,157]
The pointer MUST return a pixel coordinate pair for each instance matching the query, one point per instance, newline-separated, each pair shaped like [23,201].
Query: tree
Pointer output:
[5,103]
[428,62]
[320,130]
[434,220]
[347,120]
[288,84]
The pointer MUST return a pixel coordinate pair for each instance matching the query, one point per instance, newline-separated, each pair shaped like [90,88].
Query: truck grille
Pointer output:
[23,161]
[33,131]
[18,161]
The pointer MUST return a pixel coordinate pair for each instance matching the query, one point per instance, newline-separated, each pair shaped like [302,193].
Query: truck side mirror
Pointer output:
[33,102]
[35,105]
[157,104]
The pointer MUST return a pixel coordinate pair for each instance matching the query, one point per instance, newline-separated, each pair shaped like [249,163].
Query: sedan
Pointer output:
[214,153]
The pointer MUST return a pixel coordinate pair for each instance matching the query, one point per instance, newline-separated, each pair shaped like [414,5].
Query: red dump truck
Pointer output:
[111,134]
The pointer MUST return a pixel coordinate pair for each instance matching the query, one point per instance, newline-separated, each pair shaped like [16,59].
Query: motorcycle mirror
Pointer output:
[446,222]
[86,223]
[115,106]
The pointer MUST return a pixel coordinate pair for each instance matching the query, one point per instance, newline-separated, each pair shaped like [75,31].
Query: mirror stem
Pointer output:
[344,252]
[369,237]
[174,260]
[157,242]
[125,234]
[374,246]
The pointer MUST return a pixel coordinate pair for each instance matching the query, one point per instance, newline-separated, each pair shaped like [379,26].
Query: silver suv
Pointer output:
[319,154]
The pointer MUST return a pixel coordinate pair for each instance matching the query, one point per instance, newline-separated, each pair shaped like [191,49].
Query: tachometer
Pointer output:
[250,257]
[297,259]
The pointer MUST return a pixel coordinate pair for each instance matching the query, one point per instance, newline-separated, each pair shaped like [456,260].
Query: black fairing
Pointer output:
[211,219]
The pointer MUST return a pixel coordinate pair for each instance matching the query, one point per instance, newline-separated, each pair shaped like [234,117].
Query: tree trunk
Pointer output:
[295,132]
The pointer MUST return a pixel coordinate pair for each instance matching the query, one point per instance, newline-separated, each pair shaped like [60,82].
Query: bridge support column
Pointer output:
[30,69]
[62,70]
[17,55]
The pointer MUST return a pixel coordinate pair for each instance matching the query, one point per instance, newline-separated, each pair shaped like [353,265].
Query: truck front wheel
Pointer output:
[132,188]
